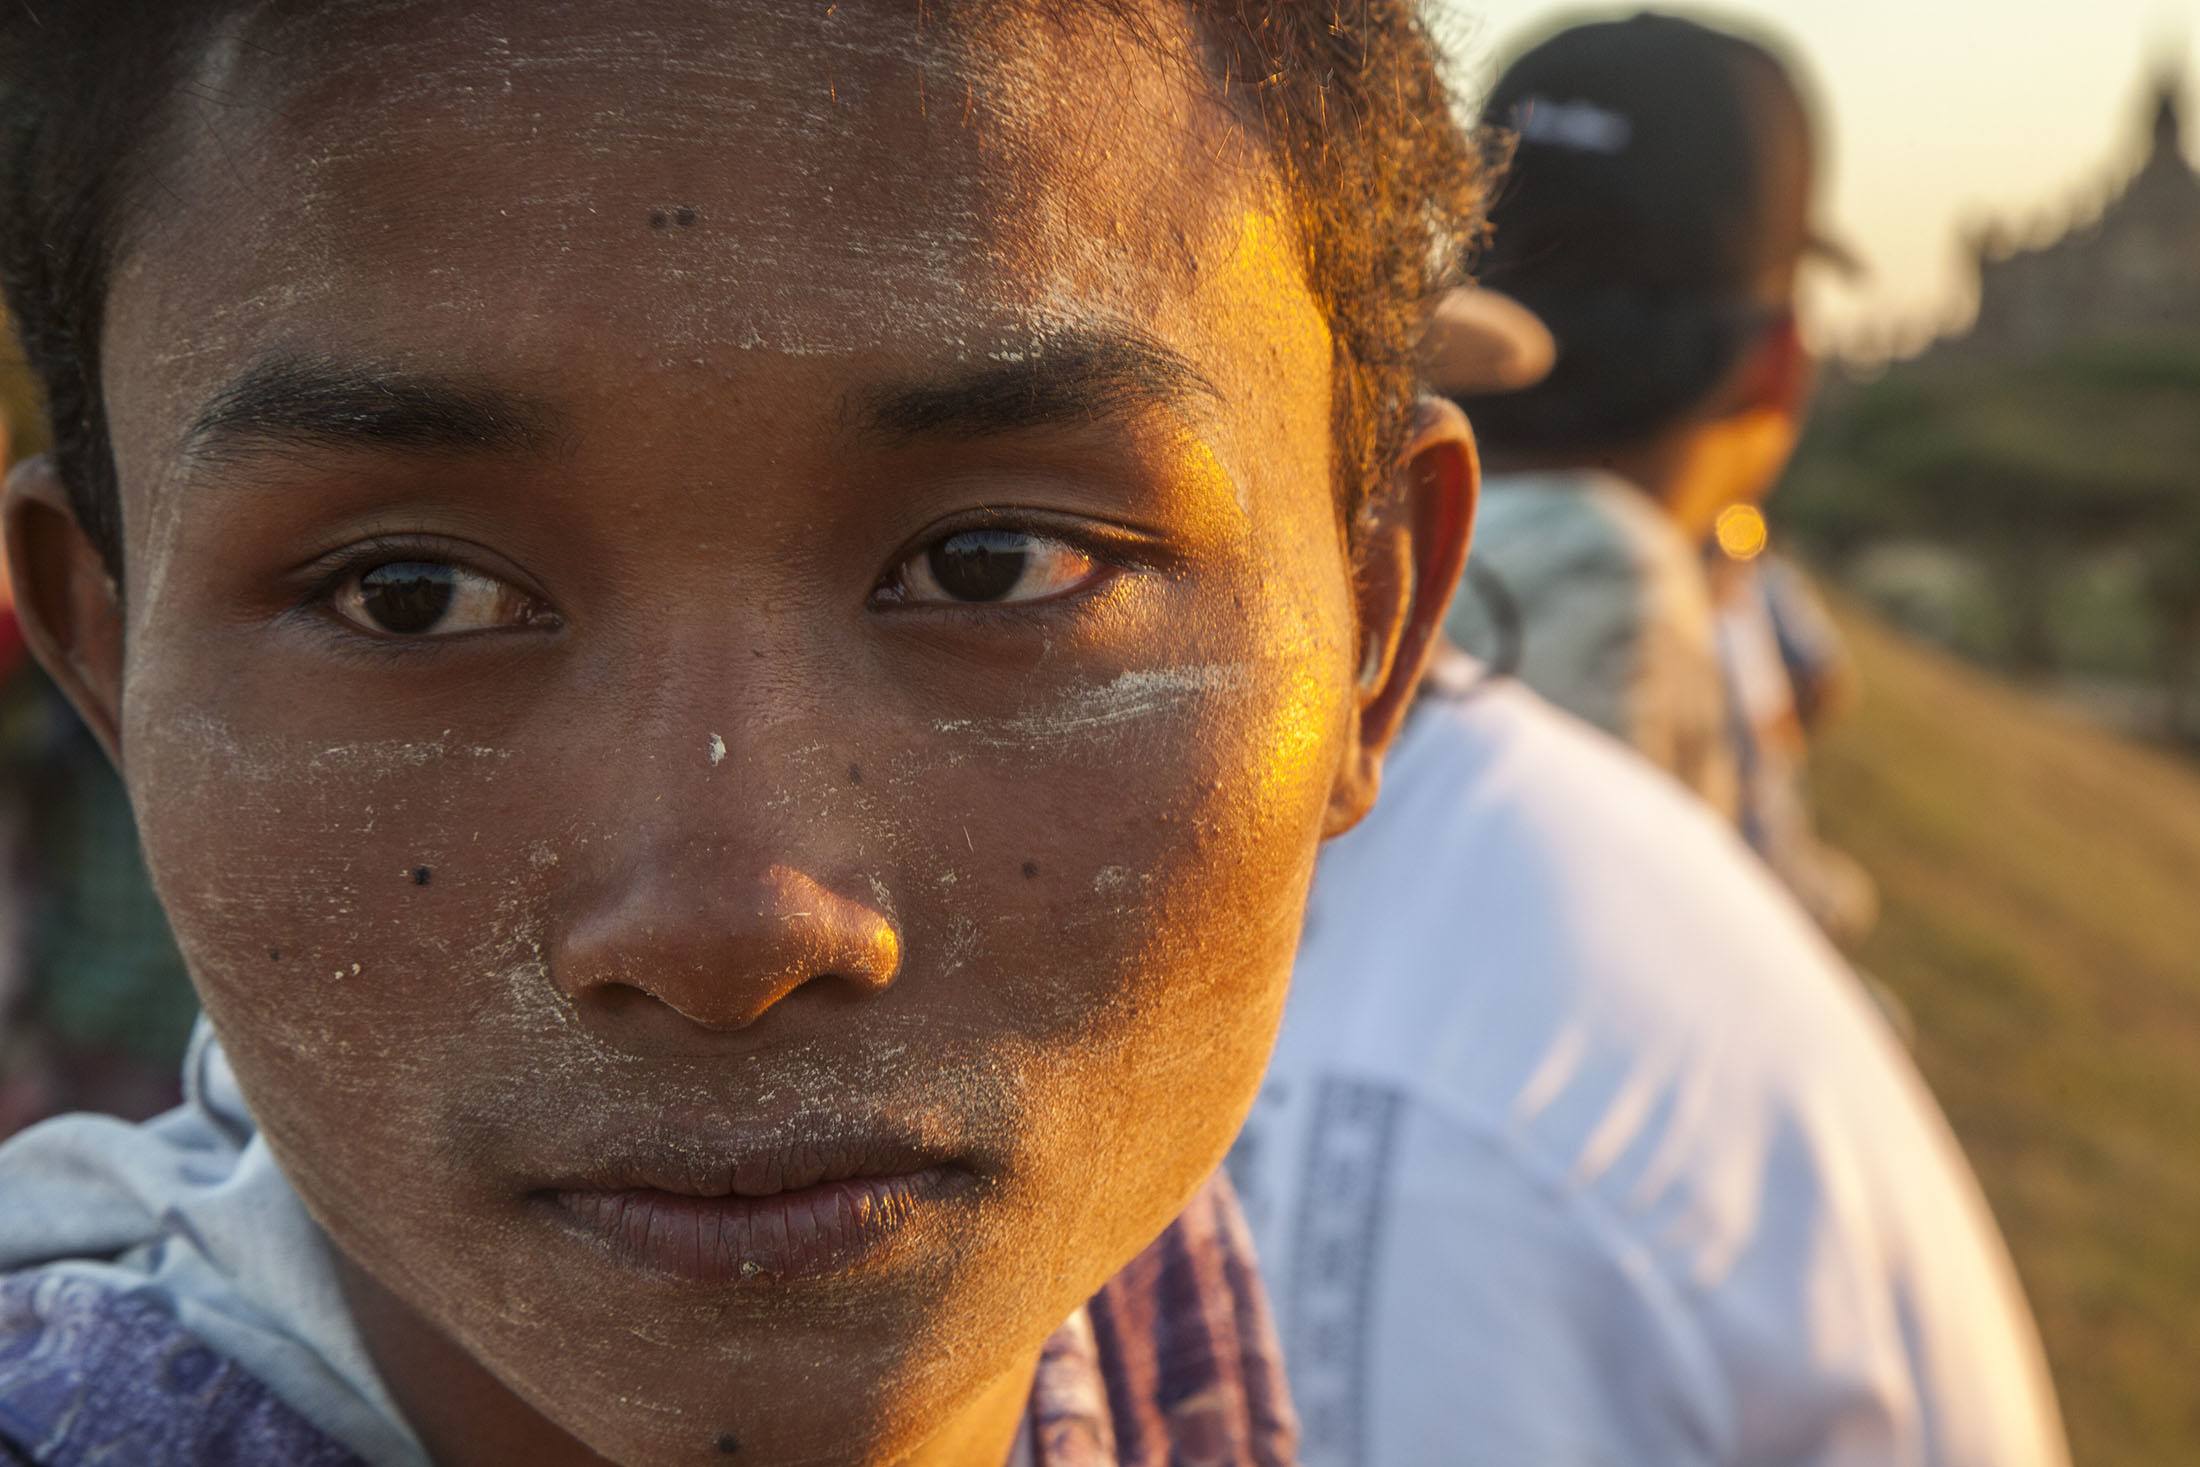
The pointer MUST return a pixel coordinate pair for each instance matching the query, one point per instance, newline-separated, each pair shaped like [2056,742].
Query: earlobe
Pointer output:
[67,602]
[1782,376]
[1411,548]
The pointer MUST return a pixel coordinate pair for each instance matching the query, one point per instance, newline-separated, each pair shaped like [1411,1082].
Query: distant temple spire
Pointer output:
[2132,272]
[2169,122]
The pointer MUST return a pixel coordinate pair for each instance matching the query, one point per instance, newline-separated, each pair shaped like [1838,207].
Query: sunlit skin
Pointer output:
[636,359]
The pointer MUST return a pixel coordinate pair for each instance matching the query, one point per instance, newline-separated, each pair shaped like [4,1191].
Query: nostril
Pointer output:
[661,958]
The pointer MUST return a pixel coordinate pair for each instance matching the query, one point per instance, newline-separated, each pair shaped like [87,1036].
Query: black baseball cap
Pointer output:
[1655,156]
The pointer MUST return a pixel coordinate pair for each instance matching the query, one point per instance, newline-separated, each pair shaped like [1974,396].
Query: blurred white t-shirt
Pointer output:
[1581,1147]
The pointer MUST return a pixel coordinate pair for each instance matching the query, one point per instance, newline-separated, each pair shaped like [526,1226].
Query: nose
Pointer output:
[672,952]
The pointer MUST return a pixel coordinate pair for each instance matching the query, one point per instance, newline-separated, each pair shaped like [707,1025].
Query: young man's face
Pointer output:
[726,597]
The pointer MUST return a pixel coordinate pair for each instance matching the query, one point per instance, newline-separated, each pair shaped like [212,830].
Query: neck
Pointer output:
[1658,468]
[1691,472]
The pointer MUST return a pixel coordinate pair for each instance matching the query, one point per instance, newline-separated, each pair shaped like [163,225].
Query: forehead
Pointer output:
[797,180]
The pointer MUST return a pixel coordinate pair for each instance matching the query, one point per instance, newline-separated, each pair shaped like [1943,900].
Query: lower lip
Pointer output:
[811,1233]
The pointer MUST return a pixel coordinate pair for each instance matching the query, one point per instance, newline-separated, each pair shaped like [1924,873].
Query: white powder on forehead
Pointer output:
[812,99]
[1000,264]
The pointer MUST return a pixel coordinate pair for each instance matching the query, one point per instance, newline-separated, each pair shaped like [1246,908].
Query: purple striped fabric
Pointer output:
[1172,1364]
[92,1376]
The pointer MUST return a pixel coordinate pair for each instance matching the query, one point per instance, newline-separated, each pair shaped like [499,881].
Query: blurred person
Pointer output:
[1579,1144]
[1655,217]
[1821,674]
[732,630]
[1787,674]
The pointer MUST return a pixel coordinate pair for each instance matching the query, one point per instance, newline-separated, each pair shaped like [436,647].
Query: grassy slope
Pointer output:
[2041,883]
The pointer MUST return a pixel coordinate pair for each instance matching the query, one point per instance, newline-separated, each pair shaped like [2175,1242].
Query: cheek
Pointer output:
[351,911]
[1155,833]
[1172,812]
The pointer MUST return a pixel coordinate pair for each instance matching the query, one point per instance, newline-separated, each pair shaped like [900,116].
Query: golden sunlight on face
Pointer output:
[742,830]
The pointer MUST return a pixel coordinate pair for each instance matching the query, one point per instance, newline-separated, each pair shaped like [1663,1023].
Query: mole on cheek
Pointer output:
[422,875]
[728,1444]
[1031,870]
[274,954]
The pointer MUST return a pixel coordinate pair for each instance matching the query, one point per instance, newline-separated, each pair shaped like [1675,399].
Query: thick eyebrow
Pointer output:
[1077,378]
[295,400]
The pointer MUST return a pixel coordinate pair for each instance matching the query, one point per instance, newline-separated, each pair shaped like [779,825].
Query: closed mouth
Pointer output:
[720,1213]
[808,1232]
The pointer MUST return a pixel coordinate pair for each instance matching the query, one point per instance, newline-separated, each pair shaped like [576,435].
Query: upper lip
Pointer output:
[738,1161]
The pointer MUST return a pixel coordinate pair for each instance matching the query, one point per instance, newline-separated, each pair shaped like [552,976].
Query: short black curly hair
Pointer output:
[1350,98]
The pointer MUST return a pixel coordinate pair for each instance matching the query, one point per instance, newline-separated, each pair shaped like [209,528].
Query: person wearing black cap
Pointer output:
[1655,218]
[1579,1144]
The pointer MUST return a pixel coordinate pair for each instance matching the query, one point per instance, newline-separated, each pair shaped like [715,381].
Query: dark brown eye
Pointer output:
[421,598]
[973,567]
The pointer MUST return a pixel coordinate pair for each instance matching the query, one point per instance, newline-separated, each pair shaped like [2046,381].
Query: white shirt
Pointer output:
[1581,1147]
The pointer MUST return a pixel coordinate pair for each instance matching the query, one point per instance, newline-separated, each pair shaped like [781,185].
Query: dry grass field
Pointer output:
[2041,884]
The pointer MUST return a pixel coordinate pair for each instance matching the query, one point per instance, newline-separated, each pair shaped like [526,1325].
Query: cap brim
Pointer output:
[1481,342]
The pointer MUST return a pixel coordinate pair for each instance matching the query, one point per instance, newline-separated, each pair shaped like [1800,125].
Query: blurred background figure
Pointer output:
[1657,218]
[1787,672]
[1998,490]
[1579,1146]
[95,1005]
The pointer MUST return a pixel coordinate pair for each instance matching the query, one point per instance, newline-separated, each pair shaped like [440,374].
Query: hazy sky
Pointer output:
[1942,112]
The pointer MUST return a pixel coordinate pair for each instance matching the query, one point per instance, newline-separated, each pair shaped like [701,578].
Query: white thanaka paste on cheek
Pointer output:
[1124,699]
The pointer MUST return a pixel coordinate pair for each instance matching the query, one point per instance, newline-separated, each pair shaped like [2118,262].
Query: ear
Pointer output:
[1409,550]
[70,607]
[1779,375]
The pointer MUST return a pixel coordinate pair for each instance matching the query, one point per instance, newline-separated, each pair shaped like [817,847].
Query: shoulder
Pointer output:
[1539,935]
[1512,838]
[1563,965]
[90,1374]
[1533,527]
[1547,919]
